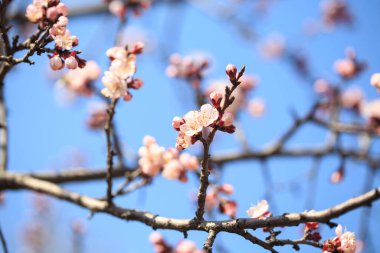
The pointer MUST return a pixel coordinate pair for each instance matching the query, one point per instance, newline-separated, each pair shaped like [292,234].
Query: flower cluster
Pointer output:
[191,125]
[155,159]
[311,230]
[190,68]
[349,67]
[53,13]
[335,12]
[119,8]
[80,81]
[161,246]
[259,211]
[341,243]
[119,78]
[216,197]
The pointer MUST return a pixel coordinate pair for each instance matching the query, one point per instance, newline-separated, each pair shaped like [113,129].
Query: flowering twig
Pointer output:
[228,100]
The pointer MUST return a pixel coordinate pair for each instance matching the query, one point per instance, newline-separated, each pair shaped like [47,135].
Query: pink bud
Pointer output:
[138,48]
[226,189]
[137,83]
[228,119]
[117,8]
[62,9]
[52,13]
[127,97]
[375,81]
[56,62]
[75,41]
[216,97]
[71,62]
[176,123]
[231,71]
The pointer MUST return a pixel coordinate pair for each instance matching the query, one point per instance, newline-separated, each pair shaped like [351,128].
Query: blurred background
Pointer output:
[285,44]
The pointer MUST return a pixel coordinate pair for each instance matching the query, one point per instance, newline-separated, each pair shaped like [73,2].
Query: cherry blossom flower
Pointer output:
[115,86]
[65,41]
[183,141]
[71,62]
[117,53]
[207,115]
[231,71]
[343,242]
[34,13]
[190,162]
[124,67]
[118,9]
[375,81]
[192,126]
[371,111]
[349,67]
[151,157]
[259,211]
[173,170]
[273,46]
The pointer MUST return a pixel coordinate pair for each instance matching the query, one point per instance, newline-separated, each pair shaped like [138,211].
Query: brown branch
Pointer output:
[207,246]
[202,192]
[110,152]
[246,235]
[3,241]
[13,180]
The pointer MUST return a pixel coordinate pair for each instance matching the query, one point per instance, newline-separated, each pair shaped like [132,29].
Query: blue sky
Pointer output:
[45,134]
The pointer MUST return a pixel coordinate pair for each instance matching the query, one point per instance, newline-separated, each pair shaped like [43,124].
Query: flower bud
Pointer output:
[216,97]
[71,62]
[52,13]
[231,71]
[176,123]
[56,62]
[62,9]
[138,48]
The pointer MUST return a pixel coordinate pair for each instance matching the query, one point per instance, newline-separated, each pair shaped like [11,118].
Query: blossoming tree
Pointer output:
[197,153]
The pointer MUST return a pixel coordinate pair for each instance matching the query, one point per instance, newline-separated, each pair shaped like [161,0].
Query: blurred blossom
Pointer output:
[186,246]
[335,12]
[323,87]
[190,67]
[78,227]
[352,98]
[97,115]
[371,111]
[159,243]
[272,46]
[375,81]
[256,107]
[80,81]
[349,67]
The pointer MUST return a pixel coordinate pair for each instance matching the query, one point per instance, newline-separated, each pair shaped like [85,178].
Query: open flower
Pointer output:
[260,211]
[192,126]
[207,115]
[115,86]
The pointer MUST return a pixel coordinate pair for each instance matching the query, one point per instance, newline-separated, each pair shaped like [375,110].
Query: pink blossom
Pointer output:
[186,246]
[151,158]
[347,240]
[228,119]
[260,211]
[229,208]
[273,46]
[192,125]
[125,67]
[148,140]
[173,170]
[59,28]
[207,115]
[136,83]
[216,97]
[256,107]
[337,176]
[62,9]
[375,81]
[52,13]
[176,122]
[226,189]
[71,62]
[117,8]
[115,86]
[138,47]
[156,238]
[345,68]
[34,13]
[56,62]
[98,116]
[352,98]
[183,141]
[127,96]
[190,162]
[248,82]
[116,53]
[65,41]
[170,154]
[211,200]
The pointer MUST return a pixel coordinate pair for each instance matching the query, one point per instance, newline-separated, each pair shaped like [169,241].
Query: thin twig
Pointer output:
[3,241]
